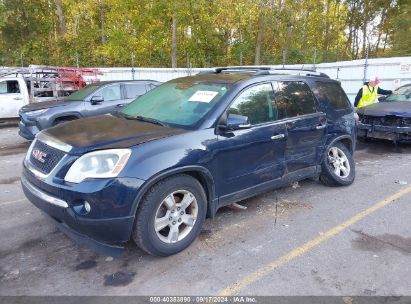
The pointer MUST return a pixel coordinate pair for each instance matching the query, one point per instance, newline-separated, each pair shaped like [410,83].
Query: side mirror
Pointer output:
[382,98]
[236,122]
[96,100]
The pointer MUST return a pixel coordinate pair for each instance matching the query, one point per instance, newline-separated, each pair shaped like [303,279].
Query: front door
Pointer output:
[254,156]
[111,99]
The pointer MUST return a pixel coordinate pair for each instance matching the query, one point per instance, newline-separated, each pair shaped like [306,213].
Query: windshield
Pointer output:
[83,93]
[404,94]
[181,102]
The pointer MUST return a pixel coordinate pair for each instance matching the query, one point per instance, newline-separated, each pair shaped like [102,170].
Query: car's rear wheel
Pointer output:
[170,216]
[338,166]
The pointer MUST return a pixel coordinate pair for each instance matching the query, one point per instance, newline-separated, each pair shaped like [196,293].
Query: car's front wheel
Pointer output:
[61,120]
[170,216]
[338,166]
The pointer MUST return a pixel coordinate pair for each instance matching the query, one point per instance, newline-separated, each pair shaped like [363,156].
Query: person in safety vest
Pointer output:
[368,93]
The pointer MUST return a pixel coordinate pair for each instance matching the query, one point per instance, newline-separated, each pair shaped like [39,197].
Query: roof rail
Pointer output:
[299,72]
[266,70]
[242,68]
[12,71]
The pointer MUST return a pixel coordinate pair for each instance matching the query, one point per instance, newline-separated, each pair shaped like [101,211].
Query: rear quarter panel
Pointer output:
[341,123]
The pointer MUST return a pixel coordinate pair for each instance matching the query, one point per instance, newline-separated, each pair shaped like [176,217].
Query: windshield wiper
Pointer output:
[142,118]
[151,120]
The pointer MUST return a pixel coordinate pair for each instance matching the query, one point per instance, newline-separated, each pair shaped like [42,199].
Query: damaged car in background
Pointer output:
[389,119]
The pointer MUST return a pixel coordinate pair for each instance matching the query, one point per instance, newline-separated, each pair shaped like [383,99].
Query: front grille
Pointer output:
[44,158]
[388,121]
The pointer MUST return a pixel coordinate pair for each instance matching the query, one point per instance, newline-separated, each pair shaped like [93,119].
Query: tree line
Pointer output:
[200,33]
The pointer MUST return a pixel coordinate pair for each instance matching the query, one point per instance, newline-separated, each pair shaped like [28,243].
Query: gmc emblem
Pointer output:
[39,155]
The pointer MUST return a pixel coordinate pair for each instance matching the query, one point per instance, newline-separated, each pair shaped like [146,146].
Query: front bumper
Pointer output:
[28,129]
[384,132]
[96,230]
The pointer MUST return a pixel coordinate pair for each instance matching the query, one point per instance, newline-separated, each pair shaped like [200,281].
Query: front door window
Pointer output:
[109,93]
[255,103]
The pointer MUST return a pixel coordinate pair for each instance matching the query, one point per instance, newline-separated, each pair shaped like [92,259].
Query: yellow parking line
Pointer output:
[12,202]
[266,269]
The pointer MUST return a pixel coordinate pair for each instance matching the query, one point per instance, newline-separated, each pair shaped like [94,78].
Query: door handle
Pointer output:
[17,98]
[319,127]
[278,136]
[120,105]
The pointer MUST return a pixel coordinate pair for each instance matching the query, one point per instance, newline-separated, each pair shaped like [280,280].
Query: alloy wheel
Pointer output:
[339,162]
[176,216]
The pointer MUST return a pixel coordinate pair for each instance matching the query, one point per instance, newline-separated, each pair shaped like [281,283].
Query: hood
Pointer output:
[107,131]
[44,105]
[401,109]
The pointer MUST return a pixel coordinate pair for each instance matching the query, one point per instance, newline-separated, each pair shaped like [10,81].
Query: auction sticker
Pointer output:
[203,96]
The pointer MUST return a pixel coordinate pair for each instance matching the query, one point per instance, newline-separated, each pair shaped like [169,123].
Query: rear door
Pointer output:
[250,157]
[11,98]
[305,125]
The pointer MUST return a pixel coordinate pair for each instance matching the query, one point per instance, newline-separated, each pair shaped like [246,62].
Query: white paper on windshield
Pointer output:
[203,96]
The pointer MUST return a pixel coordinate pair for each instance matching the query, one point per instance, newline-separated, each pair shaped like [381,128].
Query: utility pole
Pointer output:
[132,65]
[21,58]
[284,57]
[366,61]
[315,58]
[77,59]
[189,67]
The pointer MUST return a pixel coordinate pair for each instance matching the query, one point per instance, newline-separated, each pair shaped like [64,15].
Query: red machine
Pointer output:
[62,81]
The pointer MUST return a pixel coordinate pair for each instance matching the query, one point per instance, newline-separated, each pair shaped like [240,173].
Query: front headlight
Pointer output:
[98,164]
[36,112]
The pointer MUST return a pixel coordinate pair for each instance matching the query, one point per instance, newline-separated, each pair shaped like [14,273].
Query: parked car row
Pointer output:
[153,170]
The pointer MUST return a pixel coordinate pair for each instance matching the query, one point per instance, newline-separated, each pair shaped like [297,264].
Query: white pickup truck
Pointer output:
[14,93]
[21,86]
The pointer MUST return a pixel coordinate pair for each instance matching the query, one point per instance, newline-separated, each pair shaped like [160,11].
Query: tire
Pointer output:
[337,155]
[159,202]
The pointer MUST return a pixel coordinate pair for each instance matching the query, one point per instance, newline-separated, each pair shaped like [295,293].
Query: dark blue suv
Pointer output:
[155,170]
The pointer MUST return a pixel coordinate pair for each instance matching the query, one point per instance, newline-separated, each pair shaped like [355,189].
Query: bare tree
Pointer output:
[60,15]
[326,26]
[259,38]
[101,7]
[174,41]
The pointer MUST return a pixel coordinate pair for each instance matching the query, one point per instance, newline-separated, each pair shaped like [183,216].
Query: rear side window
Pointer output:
[293,98]
[9,86]
[135,89]
[331,93]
